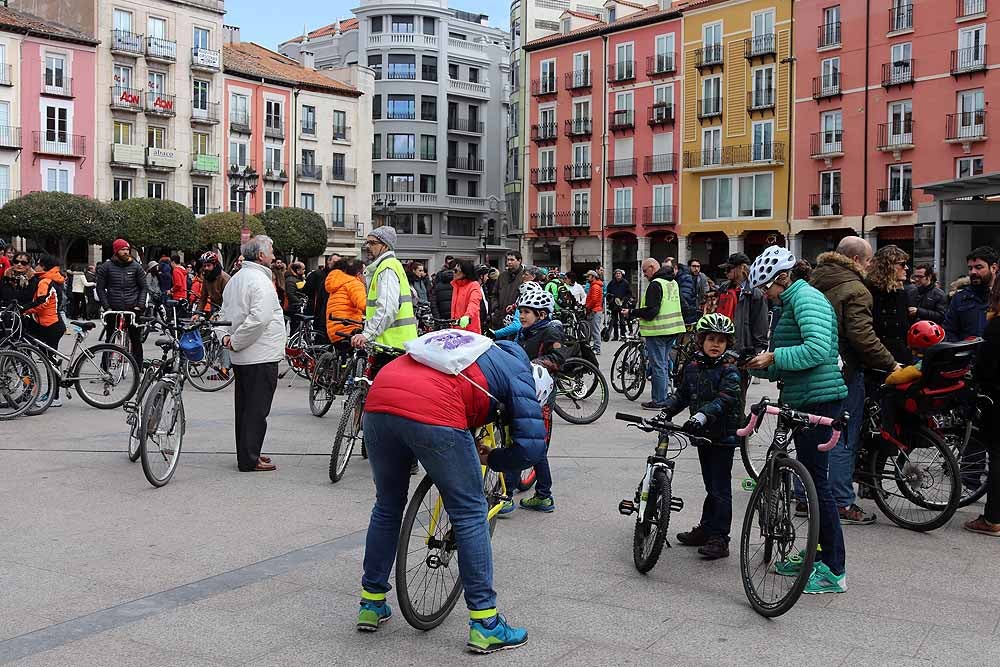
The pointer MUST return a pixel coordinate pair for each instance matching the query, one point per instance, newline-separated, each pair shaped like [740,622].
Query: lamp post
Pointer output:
[483,237]
[244,182]
[386,209]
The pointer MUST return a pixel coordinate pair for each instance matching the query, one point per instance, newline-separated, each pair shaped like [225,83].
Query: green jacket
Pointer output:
[805,349]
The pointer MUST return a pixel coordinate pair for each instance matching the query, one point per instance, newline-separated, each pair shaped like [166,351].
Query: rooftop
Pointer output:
[253,60]
[12,20]
[345,26]
[649,14]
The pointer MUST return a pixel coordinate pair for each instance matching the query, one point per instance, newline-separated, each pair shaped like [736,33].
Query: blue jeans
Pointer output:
[831,537]
[717,473]
[543,474]
[449,457]
[658,356]
[843,456]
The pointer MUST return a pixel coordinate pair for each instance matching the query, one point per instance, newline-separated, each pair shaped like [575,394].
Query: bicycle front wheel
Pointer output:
[349,433]
[49,380]
[651,528]
[616,367]
[634,374]
[777,549]
[974,464]
[162,427]
[755,448]
[428,582]
[581,392]
[322,384]
[210,374]
[105,376]
[20,384]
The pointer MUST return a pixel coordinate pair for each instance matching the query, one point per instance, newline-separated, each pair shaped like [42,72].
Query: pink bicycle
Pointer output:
[772,534]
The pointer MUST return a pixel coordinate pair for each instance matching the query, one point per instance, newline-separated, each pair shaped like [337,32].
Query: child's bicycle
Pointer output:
[653,500]
[427,579]
[772,534]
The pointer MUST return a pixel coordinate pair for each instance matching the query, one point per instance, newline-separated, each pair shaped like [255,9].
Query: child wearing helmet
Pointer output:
[710,389]
[921,336]
[510,328]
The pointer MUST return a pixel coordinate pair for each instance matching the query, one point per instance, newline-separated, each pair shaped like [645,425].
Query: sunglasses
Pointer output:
[21,262]
[900,263]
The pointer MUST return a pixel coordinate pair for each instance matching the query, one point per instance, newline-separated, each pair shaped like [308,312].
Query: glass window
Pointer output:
[375,62]
[399,182]
[969,166]
[402,23]
[272,158]
[461,226]
[428,147]
[309,120]
[156,137]
[202,39]
[272,114]
[428,183]
[122,189]
[57,180]
[428,107]
[340,125]
[338,210]
[56,125]
[400,107]
[400,146]
[155,189]
[473,189]
[272,199]
[402,66]
[375,24]
[201,143]
[430,25]
[199,199]
[55,71]
[239,154]
[123,133]
[199,97]
[307,200]
[425,224]
[237,200]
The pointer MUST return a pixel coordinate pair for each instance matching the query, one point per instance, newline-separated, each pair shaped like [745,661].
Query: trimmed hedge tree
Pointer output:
[156,224]
[58,218]
[225,229]
[296,231]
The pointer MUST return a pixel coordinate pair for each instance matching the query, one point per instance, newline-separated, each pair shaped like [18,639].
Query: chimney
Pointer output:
[308,59]
[231,34]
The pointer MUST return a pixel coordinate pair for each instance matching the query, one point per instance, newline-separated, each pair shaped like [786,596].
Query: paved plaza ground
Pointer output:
[221,568]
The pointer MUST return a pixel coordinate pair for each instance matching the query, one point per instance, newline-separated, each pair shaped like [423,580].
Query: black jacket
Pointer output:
[14,290]
[711,387]
[543,341]
[121,286]
[440,295]
[617,289]
[296,297]
[930,302]
[891,321]
[315,298]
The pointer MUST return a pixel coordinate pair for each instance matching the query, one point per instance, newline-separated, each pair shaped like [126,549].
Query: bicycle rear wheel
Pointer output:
[349,433]
[49,380]
[428,582]
[651,529]
[20,384]
[105,376]
[323,383]
[581,392]
[974,466]
[774,536]
[211,373]
[634,374]
[162,433]
[616,363]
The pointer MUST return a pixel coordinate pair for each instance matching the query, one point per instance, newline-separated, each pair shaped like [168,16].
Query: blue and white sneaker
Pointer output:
[822,580]
[483,639]
[373,614]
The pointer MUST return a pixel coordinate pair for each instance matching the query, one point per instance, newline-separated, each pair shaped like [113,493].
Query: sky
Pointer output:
[269,23]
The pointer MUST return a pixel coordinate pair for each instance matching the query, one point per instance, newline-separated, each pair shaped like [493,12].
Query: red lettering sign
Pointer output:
[161,103]
[129,97]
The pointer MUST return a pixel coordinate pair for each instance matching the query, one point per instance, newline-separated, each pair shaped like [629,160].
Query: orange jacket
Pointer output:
[465,299]
[347,299]
[595,297]
[46,308]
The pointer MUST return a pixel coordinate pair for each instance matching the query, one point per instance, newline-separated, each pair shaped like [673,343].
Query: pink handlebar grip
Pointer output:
[831,443]
[748,429]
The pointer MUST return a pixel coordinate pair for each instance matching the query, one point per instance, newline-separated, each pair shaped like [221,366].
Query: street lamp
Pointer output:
[483,237]
[244,182]
[385,209]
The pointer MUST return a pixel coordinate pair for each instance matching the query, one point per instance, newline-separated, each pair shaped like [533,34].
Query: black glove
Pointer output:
[696,423]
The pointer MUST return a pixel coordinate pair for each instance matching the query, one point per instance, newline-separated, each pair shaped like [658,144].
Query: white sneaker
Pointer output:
[56,403]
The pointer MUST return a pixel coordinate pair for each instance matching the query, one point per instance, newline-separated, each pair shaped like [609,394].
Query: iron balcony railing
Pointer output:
[967,8]
[8,195]
[393,154]
[158,48]
[760,99]
[966,125]
[900,18]
[826,86]
[825,204]
[621,217]
[661,113]
[660,64]
[829,35]
[207,112]
[10,136]
[897,73]
[59,143]
[895,200]
[466,163]
[830,142]
[341,133]
[894,135]
[465,125]
[572,219]
[544,86]
[543,176]
[578,127]
[274,126]
[709,107]
[275,171]
[580,171]
[125,42]
[309,172]
[338,173]
[544,132]
[659,215]
[623,119]
[623,70]
[239,121]
[58,86]
[161,104]
[401,74]
[968,60]
[401,115]
[760,46]
[126,99]
[578,78]
[708,56]
[6,75]
[663,163]
[731,156]
[621,168]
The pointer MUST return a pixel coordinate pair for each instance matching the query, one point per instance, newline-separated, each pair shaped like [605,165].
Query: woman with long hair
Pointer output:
[466,297]
[890,314]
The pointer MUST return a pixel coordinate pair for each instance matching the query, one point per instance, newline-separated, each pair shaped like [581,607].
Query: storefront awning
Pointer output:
[984,185]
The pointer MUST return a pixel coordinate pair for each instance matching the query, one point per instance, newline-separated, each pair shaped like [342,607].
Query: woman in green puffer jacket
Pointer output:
[805,360]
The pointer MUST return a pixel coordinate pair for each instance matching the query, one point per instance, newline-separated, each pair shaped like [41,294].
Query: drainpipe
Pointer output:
[792,61]
[292,173]
[864,214]
[604,146]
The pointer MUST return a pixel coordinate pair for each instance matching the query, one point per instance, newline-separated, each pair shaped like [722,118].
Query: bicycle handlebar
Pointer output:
[663,427]
[789,414]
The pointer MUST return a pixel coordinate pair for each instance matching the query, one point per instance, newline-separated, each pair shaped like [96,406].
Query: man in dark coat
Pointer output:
[121,285]
[927,300]
[966,316]
[508,284]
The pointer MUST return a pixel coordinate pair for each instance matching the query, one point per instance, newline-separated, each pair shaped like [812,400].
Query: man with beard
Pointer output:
[508,284]
[316,297]
[966,316]
[121,285]
[214,282]
[927,300]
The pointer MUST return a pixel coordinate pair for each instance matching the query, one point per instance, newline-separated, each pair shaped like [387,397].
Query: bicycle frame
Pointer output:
[64,379]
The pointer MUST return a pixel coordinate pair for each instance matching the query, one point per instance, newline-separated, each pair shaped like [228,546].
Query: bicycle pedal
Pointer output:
[676,504]
[626,507]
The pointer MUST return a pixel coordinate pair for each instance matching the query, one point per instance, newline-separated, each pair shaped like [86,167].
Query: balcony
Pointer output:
[341,133]
[664,163]
[578,127]
[622,120]
[468,88]
[708,57]
[160,104]
[416,199]
[274,127]
[825,87]
[476,49]
[760,99]
[544,132]
[204,165]
[621,168]
[60,144]
[578,79]
[969,60]
[826,145]
[466,203]
[897,73]
[970,9]
[127,156]
[239,121]
[401,114]
[966,127]
[621,71]
[735,157]
[125,43]
[126,99]
[402,73]
[206,113]
[761,46]
[621,217]
[895,200]
[660,114]
[544,86]
[57,86]
[10,137]
[578,219]
[709,107]
[467,163]
[659,215]
[824,205]
[276,172]
[249,167]
[6,75]
[901,19]
[309,172]
[895,136]
[161,50]
[205,60]
[829,36]
[469,125]
[662,64]
[393,154]
[338,173]
[541,176]
[341,220]
[8,195]
[160,159]
[577,172]
[402,39]
[430,156]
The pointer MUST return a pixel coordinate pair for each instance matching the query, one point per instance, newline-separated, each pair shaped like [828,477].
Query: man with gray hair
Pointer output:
[256,340]
[389,318]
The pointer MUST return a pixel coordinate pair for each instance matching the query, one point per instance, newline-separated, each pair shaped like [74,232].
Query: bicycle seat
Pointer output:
[165,343]
[299,317]
[86,326]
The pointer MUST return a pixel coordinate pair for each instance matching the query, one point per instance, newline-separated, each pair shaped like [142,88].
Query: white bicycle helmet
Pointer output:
[770,263]
[530,286]
[537,300]
[543,383]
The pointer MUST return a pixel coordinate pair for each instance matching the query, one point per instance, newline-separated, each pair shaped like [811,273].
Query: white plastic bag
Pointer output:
[450,351]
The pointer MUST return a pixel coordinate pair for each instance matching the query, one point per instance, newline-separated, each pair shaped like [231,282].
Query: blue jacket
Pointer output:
[711,387]
[509,380]
[689,296]
[510,330]
[966,316]
[166,278]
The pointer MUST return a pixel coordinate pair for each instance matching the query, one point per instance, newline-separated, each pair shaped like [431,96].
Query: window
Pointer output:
[399,146]
[123,133]
[624,61]
[429,68]
[763,87]
[272,114]
[763,140]
[375,24]
[156,28]
[402,66]
[969,166]
[56,125]
[122,20]
[402,23]
[663,204]
[199,98]
[547,165]
[377,147]
[239,154]
[547,209]
[403,223]
[202,39]
[155,189]
[55,72]
[472,189]
[711,96]
[337,215]
[453,71]
[428,183]
[199,199]
[425,224]
[239,109]
[830,34]
[272,199]
[711,41]
[309,120]
[428,147]
[473,75]
[309,160]
[547,120]
[711,146]
[156,83]
[201,143]
[237,200]
[830,76]
[971,48]
[307,200]
[57,179]
[623,207]
[272,159]
[400,107]
[461,226]
[581,115]
[123,78]
[832,133]
[430,25]
[156,137]
[581,159]
[122,189]
[338,169]
[763,27]
[452,187]
[547,84]
[612,15]
[428,107]
[566,25]
[746,196]
[829,193]
[399,182]
[375,62]
[340,125]
[664,53]
[581,208]
[899,193]
[376,182]
[901,123]
[971,113]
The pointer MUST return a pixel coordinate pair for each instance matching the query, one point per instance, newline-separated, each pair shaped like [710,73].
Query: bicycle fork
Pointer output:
[638,504]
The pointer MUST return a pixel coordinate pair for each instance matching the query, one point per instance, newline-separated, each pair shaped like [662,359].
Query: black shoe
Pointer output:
[715,548]
[695,537]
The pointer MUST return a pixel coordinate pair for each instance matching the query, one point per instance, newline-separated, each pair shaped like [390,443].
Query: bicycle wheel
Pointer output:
[134,418]
[349,433]
[48,378]
[210,374]
[974,466]
[773,536]
[581,392]
[105,376]
[635,366]
[616,363]
[20,384]
[651,528]
[322,384]
[428,583]
[527,479]
[754,448]
[918,489]
[161,432]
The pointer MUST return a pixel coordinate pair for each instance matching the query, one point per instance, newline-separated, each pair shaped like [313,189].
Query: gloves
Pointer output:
[464,320]
[696,423]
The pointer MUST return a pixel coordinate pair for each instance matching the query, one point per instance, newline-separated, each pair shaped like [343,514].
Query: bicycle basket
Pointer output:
[192,346]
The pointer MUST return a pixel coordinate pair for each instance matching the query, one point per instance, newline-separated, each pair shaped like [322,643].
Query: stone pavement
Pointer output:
[219,568]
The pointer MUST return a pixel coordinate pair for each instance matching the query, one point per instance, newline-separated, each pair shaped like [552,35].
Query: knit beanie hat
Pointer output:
[386,235]
[119,244]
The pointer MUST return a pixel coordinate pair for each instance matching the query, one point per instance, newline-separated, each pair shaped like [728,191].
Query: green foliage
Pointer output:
[225,228]
[58,218]
[156,223]
[296,230]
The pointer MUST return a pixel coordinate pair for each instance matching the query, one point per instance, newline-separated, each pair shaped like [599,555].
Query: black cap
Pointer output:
[735,259]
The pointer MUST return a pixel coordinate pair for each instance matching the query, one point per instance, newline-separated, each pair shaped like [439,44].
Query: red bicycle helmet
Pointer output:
[924,334]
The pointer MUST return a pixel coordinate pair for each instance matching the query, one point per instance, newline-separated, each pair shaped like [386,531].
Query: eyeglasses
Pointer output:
[900,263]
[21,262]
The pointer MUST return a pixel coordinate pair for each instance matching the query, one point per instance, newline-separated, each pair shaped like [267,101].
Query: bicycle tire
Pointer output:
[650,532]
[321,385]
[349,432]
[130,375]
[150,449]
[616,362]
[20,383]
[527,479]
[755,448]
[47,375]
[134,420]
[905,468]
[200,374]
[776,491]
[569,380]
[636,361]
[973,464]
[438,547]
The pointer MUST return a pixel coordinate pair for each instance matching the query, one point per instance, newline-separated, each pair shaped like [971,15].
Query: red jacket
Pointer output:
[180,276]
[465,299]
[595,297]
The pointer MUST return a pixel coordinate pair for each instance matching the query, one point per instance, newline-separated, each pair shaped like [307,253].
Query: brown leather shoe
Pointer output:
[262,467]
[265,459]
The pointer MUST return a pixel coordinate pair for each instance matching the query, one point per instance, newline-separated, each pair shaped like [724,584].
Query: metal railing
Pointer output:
[894,135]
[239,121]
[466,125]
[8,195]
[544,132]
[826,143]
[621,168]
[401,115]
[708,56]
[965,125]
[623,70]
[897,72]
[123,41]
[392,154]
[759,46]
[661,113]
[578,78]
[659,215]
[6,75]
[900,18]
[338,173]
[623,119]
[161,104]
[466,163]
[824,204]
[401,74]
[60,143]
[274,126]
[829,35]
[208,114]
[967,8]
[341,133]
[661,63]
[275,172]
[621,217]
[730,156]
[709,107]
[543,176]
[663,163]
[826,86]
[158,48]
[579,127]
[971,59]
[10,136]
[544,86]
[895,200]
[60,87]
[126,99]
[761,98]
[571,219]
[580,171]
[309,172]
[204,163]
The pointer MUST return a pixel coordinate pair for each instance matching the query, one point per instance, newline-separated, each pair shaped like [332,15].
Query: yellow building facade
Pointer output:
[736,127]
